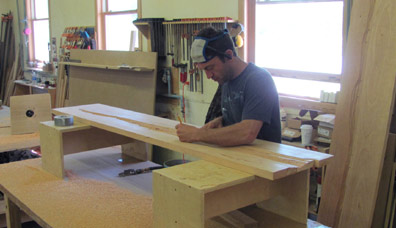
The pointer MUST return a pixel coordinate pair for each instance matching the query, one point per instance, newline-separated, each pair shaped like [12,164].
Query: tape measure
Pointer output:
[63,121]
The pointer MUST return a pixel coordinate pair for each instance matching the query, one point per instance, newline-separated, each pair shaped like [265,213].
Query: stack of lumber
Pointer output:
[9,68]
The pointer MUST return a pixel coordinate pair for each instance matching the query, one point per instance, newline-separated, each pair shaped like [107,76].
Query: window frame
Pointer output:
[101,24]
[31,18]
[250,8]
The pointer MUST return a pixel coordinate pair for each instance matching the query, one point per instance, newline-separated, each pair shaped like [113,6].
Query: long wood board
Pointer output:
[265,159]
[363,116]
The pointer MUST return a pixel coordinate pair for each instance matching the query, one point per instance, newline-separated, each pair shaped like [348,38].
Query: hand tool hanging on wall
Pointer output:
[180,35]
[191,76]
[183,73]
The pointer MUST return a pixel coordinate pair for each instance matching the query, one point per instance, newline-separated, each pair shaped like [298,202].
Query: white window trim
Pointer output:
[101,25]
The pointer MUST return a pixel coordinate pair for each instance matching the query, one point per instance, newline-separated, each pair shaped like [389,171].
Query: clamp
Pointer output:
[63,121]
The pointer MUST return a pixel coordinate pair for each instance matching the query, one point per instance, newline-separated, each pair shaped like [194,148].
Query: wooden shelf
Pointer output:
[143,27]
[131,68]
[38,86]
[298,144]
[300,103]
[198,22]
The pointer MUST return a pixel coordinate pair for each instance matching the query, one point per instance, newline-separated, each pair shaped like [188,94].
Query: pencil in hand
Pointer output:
[178,117]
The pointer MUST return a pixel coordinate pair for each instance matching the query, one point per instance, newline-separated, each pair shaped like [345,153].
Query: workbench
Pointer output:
[190,195]
[23,87]
[44,197]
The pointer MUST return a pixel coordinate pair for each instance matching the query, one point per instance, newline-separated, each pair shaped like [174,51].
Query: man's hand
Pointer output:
[215,123]
[187,133]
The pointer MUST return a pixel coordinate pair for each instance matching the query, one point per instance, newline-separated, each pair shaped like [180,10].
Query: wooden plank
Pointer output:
[115,58]
[363,112]
[325,77]
[109,67]
[40,107]
[380,207]
[291,102]
[13,214]
[268,160]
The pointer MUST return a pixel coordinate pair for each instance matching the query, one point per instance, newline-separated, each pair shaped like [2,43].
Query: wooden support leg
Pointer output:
[13,214]
[137,149]
[293,201]
[188,195]
[58,141]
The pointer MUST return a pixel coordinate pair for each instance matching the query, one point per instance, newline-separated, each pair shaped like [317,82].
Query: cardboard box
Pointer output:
[325,132]
[294,123]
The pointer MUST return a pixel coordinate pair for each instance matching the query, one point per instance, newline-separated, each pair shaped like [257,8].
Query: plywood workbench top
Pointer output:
[77,202]
[262,158]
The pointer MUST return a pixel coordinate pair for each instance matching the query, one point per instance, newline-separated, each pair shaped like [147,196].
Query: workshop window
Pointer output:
[115,28]
[300,42]
[39,33]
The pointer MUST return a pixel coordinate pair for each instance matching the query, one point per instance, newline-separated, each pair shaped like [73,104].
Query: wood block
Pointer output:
[175,80]
[28,111]
[138,150]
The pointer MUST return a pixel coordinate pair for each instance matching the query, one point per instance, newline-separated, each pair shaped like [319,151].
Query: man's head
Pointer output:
[212,51]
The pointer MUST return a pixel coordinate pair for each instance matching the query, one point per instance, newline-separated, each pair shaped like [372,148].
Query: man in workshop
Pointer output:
[249,99]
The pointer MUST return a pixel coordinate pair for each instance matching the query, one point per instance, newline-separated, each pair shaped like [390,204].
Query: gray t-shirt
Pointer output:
[253,95]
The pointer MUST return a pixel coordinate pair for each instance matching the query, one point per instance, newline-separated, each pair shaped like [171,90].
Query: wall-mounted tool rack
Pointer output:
[177,36]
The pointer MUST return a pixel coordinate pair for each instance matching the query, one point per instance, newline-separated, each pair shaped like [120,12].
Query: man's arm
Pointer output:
[215,123]
[244,132]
